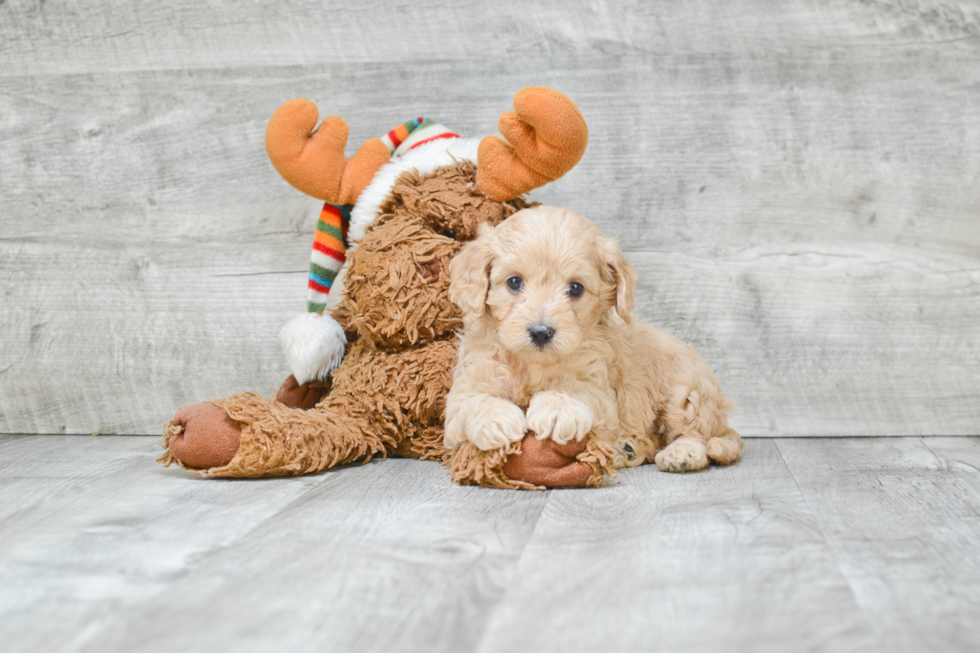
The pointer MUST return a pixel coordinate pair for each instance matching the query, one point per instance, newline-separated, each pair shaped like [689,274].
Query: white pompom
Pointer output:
[314,345]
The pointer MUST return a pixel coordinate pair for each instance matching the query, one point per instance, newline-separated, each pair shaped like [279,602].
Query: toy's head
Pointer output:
[397,278]
[406,204]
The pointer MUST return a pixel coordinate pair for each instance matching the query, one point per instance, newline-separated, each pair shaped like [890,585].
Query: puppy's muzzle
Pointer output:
[541,335]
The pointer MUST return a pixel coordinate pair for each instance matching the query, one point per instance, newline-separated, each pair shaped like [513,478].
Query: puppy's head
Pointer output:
[542,279]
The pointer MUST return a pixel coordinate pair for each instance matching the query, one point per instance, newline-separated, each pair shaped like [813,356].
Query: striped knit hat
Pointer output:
[329,254]
[413,133]
[315,343]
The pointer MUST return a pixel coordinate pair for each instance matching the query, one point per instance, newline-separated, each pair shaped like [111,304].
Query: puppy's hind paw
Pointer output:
[559,417]
[683,455]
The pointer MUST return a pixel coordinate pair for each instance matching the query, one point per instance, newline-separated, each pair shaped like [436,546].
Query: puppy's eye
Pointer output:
[575,289]
[515,283]
[450,234]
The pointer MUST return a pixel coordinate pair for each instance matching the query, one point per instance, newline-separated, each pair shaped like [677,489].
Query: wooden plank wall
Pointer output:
[797,183]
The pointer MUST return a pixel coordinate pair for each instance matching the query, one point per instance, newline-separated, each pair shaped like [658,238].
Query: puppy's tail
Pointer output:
[726,448]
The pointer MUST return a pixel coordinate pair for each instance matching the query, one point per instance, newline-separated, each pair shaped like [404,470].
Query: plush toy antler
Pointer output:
[313,162]
[546,136]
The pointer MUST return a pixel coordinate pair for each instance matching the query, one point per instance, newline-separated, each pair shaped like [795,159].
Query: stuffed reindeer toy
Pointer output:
[373,358]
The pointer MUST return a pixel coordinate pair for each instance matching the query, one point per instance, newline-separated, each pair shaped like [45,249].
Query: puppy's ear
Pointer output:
[622,274]
[469,276]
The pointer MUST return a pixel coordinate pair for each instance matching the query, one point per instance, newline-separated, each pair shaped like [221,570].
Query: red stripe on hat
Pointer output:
[332,210]
[434,138]
[313,285]
[332,253]
[398,134]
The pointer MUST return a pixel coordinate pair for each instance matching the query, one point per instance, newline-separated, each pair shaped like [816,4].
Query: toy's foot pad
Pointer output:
[203,436]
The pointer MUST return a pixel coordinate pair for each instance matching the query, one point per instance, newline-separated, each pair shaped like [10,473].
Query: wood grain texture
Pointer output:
[838,339]
[114,553]
[961,456]
[728,559]
[185,35]
[820,544]
[902,522]
[796,184]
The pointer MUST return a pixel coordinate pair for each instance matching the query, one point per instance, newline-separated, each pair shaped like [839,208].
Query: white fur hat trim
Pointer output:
[314,346]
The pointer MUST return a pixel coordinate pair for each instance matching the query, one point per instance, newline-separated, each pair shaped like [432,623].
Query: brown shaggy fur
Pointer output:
[397,283]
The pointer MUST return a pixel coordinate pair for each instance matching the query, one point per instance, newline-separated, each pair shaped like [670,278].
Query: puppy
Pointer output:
[551,346]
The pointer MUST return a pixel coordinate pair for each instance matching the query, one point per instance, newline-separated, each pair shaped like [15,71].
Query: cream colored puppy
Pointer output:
[550,345]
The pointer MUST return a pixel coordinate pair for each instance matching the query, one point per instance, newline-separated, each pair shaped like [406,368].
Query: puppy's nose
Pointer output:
[541,335]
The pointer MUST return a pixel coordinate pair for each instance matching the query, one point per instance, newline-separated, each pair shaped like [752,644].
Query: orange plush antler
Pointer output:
[313,161]
[546,136]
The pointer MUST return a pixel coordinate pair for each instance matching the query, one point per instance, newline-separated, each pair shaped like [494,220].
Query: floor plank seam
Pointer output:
[823,536]
[942,460]
[481,640]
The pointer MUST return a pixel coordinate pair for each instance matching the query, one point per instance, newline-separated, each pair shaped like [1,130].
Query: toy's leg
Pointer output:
[533,464]
[421,443]
[274,440]
[201,436]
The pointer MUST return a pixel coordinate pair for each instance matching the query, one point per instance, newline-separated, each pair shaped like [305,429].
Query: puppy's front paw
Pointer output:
[496,423]
[683,455]
[454,433]
[558,416]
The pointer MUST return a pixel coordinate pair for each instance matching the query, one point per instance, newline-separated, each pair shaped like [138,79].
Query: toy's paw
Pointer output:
[203,436]
[559,417]
[496,423]
[303,396]
[683,455]
[548,463]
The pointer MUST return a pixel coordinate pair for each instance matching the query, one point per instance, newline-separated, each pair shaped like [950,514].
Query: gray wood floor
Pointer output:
[861,544]
[796,181]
